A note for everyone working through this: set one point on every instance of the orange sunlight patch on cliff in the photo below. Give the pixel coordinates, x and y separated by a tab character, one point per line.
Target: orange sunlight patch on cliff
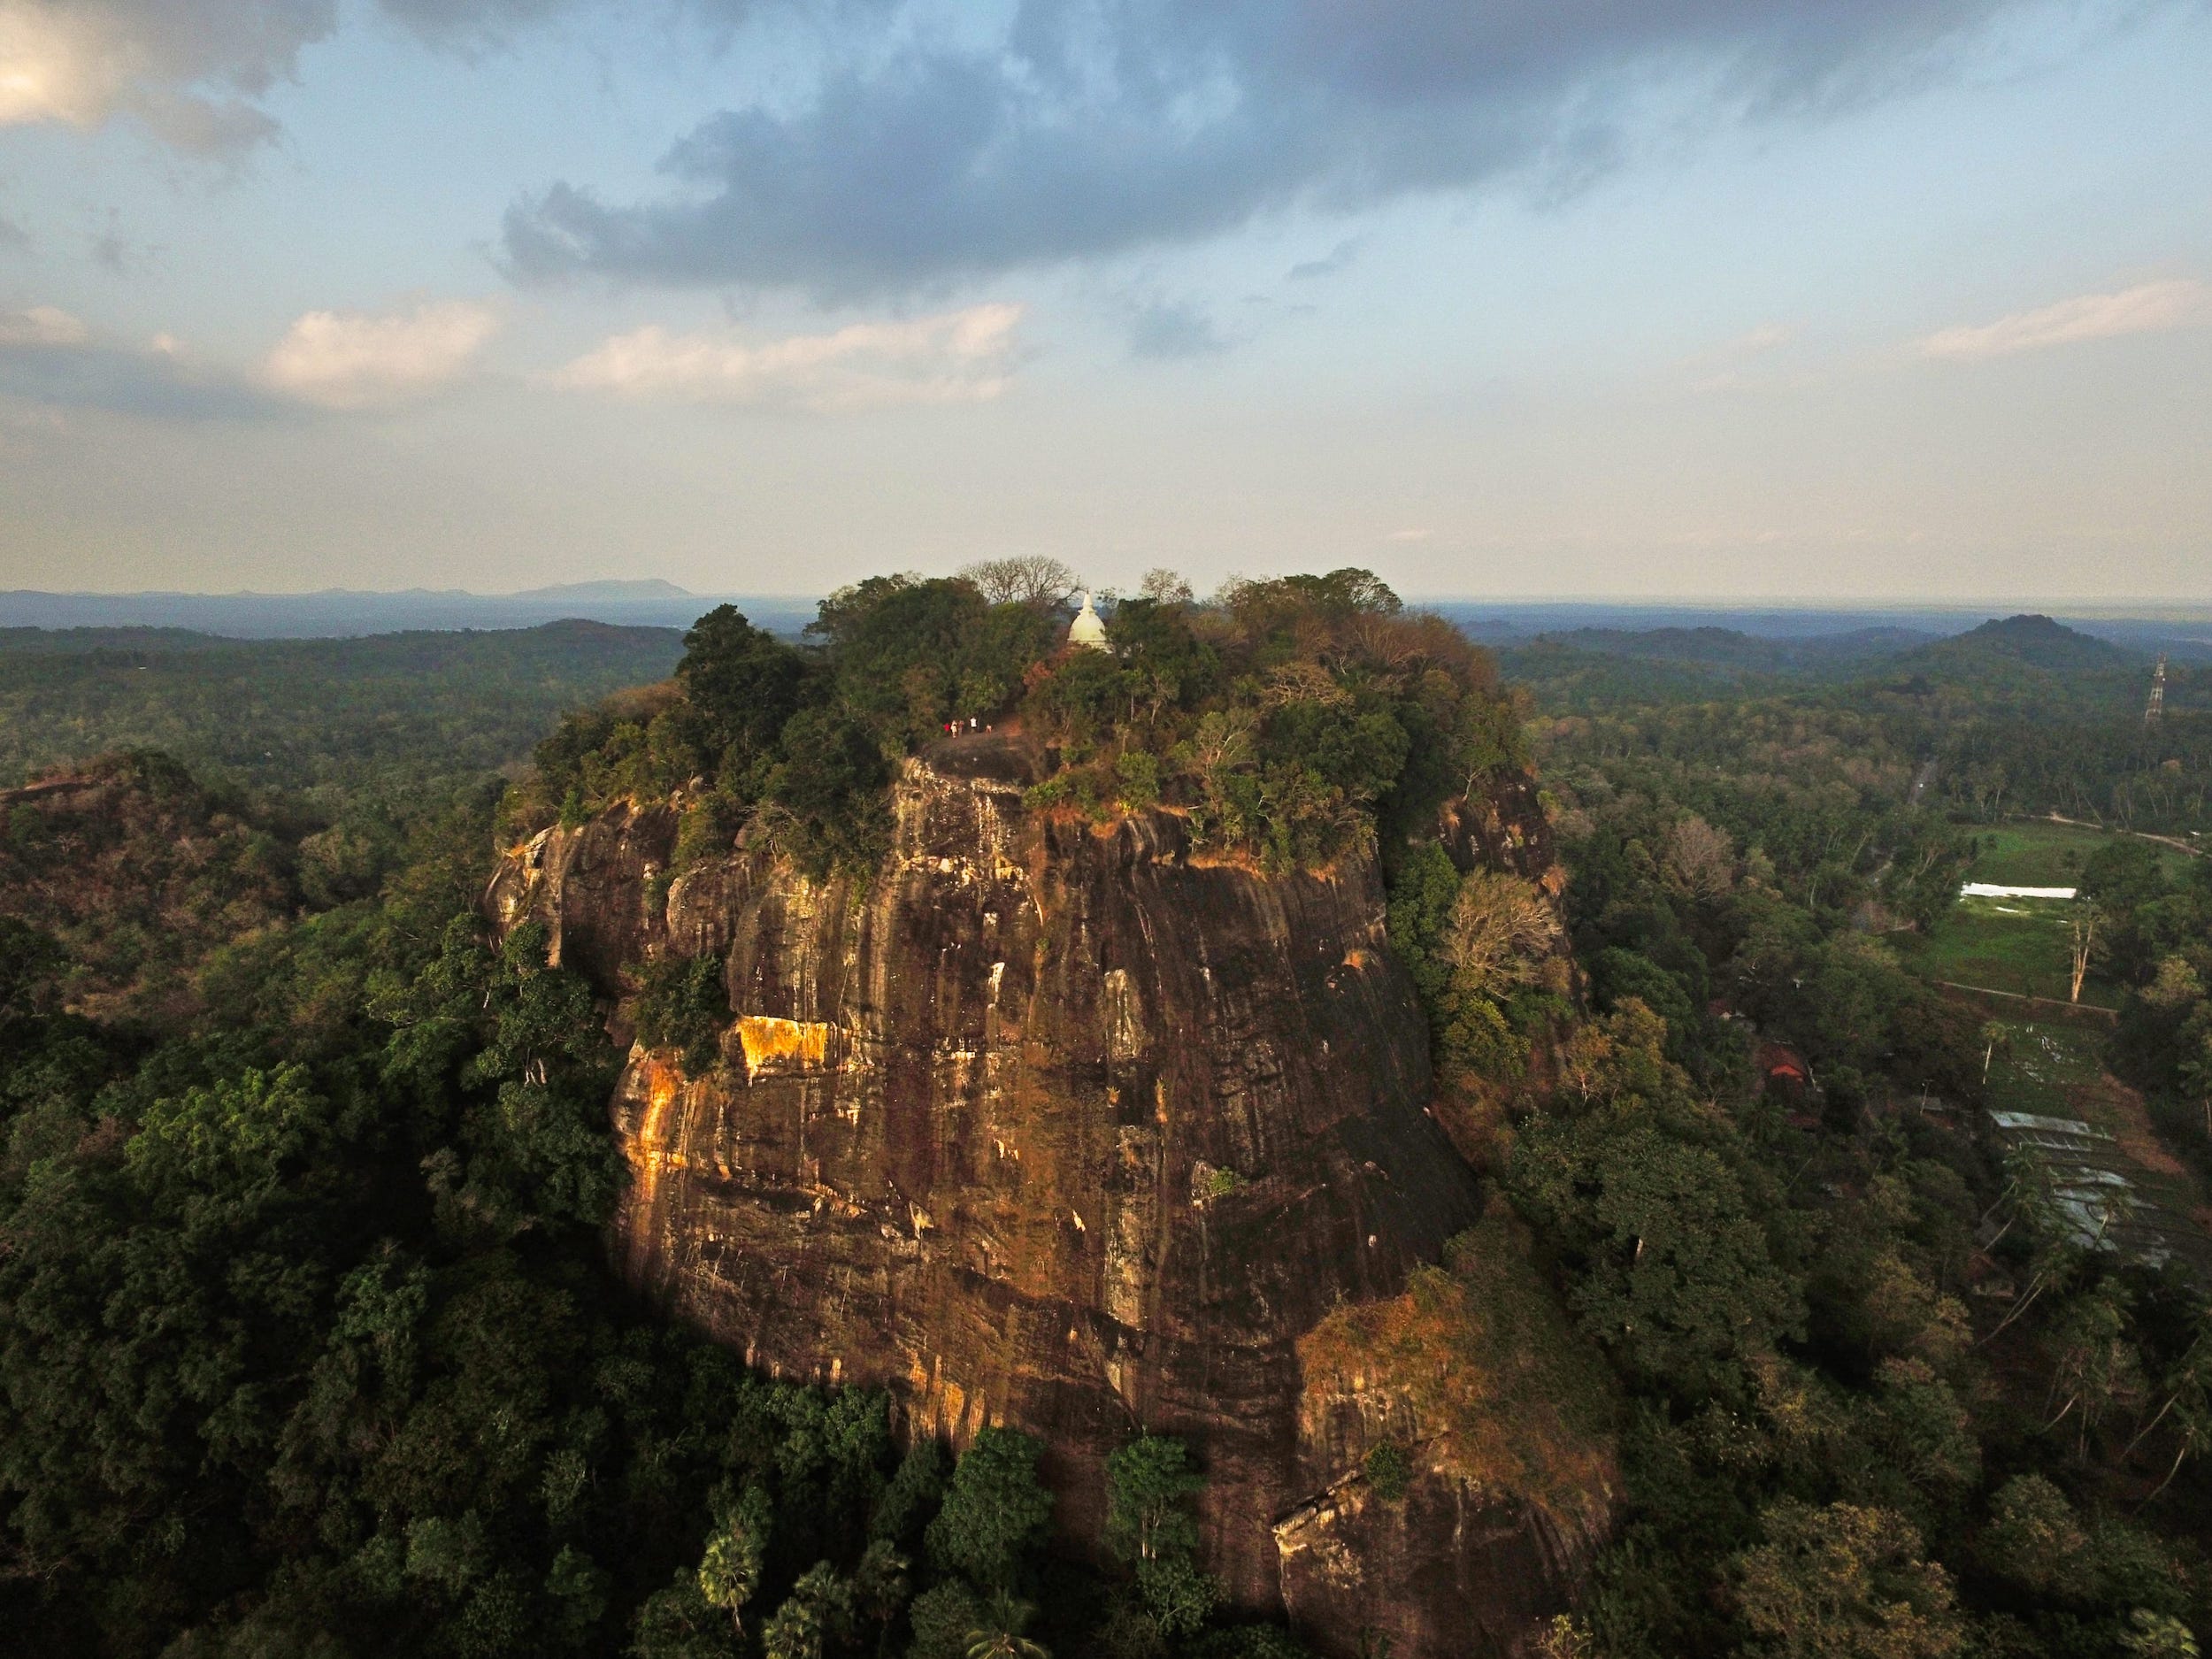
1507	1395
648	1151
770	1041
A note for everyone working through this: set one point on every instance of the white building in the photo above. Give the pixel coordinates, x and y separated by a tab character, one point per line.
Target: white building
1088	630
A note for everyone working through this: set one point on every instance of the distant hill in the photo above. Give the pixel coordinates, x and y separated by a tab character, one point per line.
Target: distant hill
651	588
2037	642
1583	670
2027	667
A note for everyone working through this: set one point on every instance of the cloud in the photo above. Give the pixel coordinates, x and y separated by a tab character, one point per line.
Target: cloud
1168	329
49	356
1092	127
363	359
116	252
189	71
1336	259
1722	368
194	72
471	23
329	360
959	357
41	326
1420	534
1757	342
2147	308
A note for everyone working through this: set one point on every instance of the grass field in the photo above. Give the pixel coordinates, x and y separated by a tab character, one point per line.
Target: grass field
2005	945
2020	944
2047	854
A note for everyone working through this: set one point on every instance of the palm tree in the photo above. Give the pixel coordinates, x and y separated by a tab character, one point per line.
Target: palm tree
1000	1635
730	1571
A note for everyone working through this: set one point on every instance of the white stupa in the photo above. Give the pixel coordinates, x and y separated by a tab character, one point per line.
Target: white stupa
1088	630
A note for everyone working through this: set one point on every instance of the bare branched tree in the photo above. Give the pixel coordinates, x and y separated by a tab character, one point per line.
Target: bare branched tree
1502	929
1304	682
1165	586
1701	861
2082	944
1034	579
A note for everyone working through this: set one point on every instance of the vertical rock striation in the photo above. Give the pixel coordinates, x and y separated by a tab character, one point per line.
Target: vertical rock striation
1047	1125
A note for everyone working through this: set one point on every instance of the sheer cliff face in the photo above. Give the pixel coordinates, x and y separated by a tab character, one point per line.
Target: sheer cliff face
1053	1126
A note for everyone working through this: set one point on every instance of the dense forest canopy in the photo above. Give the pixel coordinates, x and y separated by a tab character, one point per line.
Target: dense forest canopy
308	1345
2022	715
1883	1397
340	718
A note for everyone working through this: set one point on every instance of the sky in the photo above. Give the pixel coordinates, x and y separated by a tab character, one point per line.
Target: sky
1772	300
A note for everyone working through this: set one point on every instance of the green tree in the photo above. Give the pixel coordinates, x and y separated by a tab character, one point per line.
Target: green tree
680	1622
1677	1276
730	1569
1179	1596
829	787
941	1618
682	1004
819	1609
1842	1582
2158	1636
997	1634
746	682
994	1510
2033	1539
1149	1489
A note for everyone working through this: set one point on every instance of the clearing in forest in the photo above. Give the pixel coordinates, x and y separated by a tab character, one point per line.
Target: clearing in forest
2048	1088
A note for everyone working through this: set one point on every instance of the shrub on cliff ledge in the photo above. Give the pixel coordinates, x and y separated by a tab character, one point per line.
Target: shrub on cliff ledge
1505	1394
1389	1470
681	1005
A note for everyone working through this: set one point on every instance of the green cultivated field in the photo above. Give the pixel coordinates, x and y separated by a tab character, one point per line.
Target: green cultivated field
2041	1068
2005	945
2046	855
2020	944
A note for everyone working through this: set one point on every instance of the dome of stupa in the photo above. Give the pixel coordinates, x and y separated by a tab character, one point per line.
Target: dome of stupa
1087	629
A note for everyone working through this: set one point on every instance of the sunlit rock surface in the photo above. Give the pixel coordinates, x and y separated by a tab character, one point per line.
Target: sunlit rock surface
1056	1126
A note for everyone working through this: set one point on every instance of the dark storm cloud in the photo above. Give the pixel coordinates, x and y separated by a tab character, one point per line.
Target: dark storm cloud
1099	126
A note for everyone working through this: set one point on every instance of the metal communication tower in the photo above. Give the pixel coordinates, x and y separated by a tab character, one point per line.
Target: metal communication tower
2157	708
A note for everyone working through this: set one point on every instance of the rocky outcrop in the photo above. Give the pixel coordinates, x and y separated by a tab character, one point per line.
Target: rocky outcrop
1060	1127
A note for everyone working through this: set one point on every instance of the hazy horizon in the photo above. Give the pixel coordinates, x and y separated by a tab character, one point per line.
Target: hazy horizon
2147	607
